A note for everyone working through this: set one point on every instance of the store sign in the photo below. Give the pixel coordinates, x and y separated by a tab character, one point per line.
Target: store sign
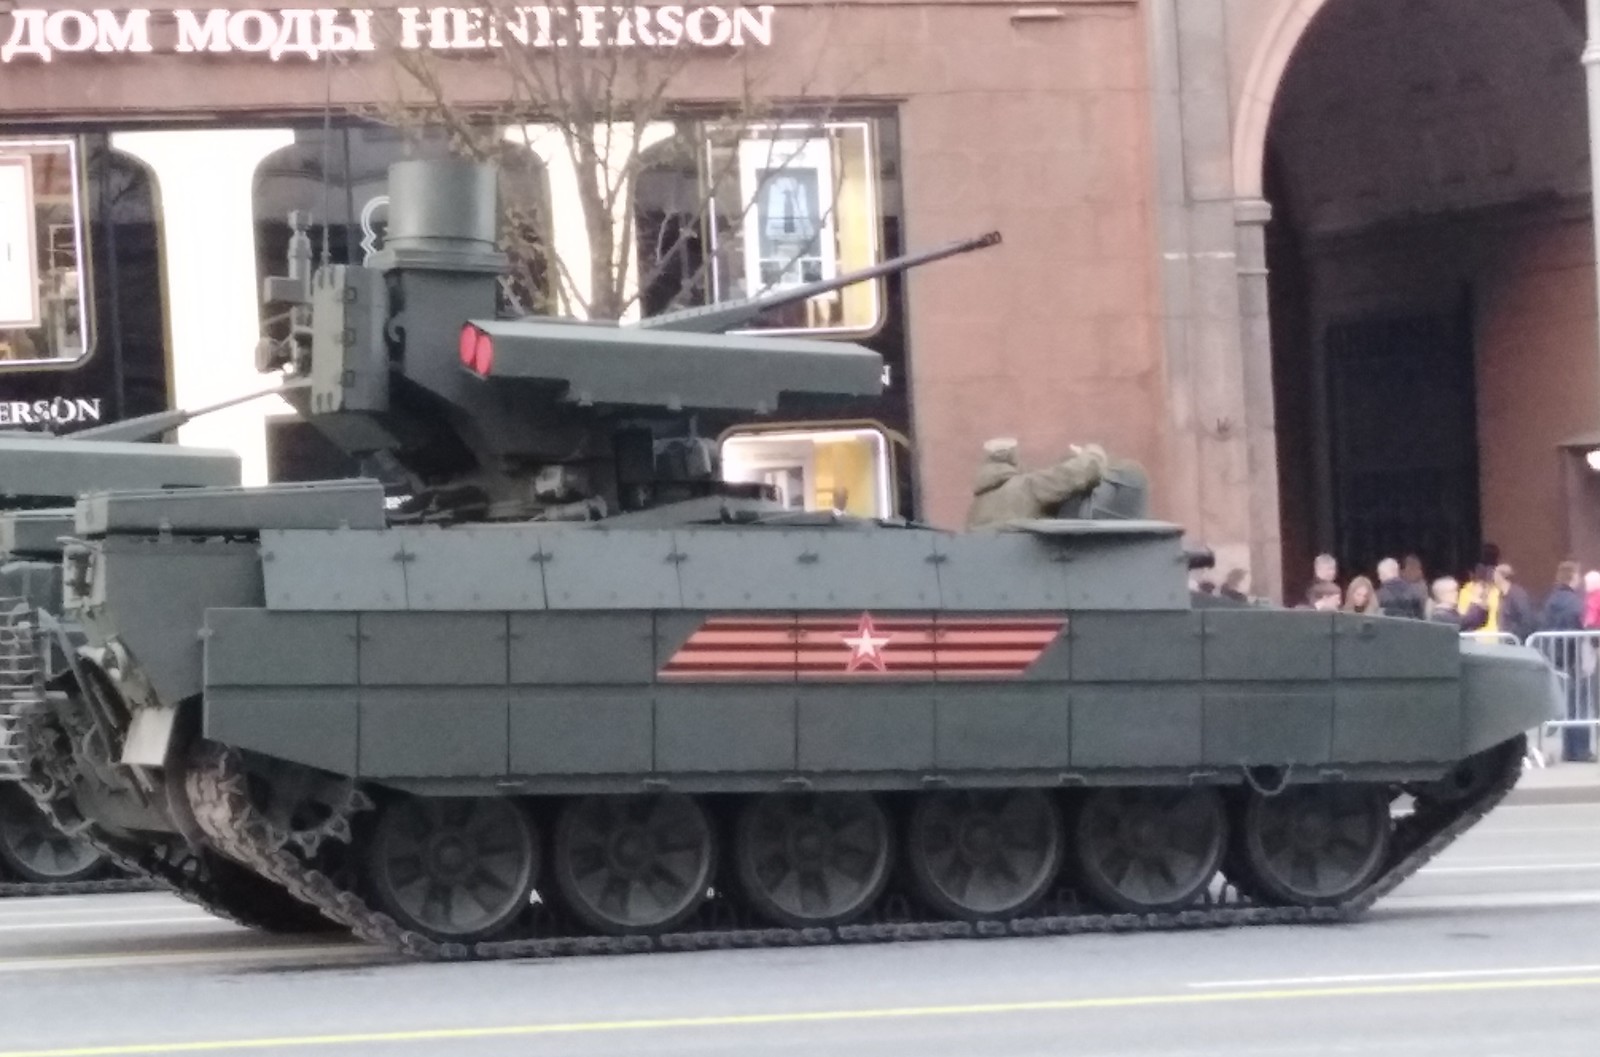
62	411
19	257
41	35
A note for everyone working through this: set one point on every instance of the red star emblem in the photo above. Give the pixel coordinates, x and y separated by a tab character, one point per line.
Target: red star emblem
866	646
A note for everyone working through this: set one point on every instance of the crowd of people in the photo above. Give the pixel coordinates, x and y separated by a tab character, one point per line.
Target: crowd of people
1488	601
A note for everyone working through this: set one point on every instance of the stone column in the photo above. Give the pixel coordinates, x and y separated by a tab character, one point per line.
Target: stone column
1224	469
1261	434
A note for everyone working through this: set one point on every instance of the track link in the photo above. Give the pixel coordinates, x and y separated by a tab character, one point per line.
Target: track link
217	791
206	880
193	878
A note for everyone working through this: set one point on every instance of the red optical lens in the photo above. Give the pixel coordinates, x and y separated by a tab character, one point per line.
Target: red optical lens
469	344
483	354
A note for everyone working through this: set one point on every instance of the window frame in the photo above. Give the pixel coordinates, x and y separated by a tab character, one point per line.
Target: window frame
873	164
82	248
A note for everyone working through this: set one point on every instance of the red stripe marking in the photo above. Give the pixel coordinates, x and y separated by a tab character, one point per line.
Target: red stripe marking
735	674
1021	658
1036	639
743	622
1001	620
979	673
734	657
839	674
701	639
813	647
896	661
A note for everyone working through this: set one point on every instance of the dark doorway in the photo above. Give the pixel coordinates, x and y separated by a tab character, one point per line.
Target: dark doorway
1403	439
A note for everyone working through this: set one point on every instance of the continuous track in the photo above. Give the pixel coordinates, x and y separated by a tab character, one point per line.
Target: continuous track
220	887
217	791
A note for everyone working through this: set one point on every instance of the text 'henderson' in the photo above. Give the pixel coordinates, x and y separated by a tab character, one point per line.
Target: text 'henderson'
309	33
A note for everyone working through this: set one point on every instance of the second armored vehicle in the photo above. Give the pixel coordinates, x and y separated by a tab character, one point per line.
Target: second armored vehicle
41	476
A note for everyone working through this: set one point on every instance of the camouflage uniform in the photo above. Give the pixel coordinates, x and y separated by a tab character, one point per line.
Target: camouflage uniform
1004	493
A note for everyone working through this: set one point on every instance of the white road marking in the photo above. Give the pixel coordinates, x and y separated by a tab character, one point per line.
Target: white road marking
1513	868
71	913
122	923
1576	859
1402	903
1517	831
309	955
1362	978
127	901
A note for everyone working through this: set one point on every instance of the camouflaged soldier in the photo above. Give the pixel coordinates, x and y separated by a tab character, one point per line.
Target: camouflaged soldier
1003	492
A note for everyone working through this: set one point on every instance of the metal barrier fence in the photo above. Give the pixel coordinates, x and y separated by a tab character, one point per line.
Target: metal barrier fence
1575	655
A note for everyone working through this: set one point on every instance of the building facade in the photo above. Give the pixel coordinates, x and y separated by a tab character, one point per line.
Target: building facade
1325	266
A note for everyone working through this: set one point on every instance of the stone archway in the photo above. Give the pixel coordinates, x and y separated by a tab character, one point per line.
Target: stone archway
1439	202
1285	27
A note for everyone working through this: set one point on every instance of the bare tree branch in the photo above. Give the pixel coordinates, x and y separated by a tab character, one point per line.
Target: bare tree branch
609	91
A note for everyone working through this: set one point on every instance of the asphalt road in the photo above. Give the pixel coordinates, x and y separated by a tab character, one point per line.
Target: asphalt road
1492	950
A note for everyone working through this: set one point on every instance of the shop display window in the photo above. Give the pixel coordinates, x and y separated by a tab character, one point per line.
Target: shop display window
847	470
798	203
43	311
721	211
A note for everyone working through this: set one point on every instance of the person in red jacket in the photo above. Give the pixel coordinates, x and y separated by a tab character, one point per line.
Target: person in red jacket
1578	742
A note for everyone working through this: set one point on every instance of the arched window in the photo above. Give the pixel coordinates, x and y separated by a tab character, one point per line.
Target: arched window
670	204
338	180
524	231
127	312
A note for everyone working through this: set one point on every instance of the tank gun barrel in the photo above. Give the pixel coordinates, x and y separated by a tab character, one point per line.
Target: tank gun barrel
720	318
153	425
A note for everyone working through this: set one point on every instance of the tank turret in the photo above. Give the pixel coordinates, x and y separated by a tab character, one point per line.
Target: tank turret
516	418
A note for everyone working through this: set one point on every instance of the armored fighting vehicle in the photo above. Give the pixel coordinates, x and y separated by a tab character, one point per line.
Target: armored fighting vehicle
41	476
47	847
549	686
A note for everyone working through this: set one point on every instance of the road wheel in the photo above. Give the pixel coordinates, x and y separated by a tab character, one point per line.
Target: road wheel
1149	850
32	849
809	860
633	865
1310	845
457	869
984	853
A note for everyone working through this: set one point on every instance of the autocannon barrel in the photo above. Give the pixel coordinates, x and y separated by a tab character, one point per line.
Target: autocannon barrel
719	318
